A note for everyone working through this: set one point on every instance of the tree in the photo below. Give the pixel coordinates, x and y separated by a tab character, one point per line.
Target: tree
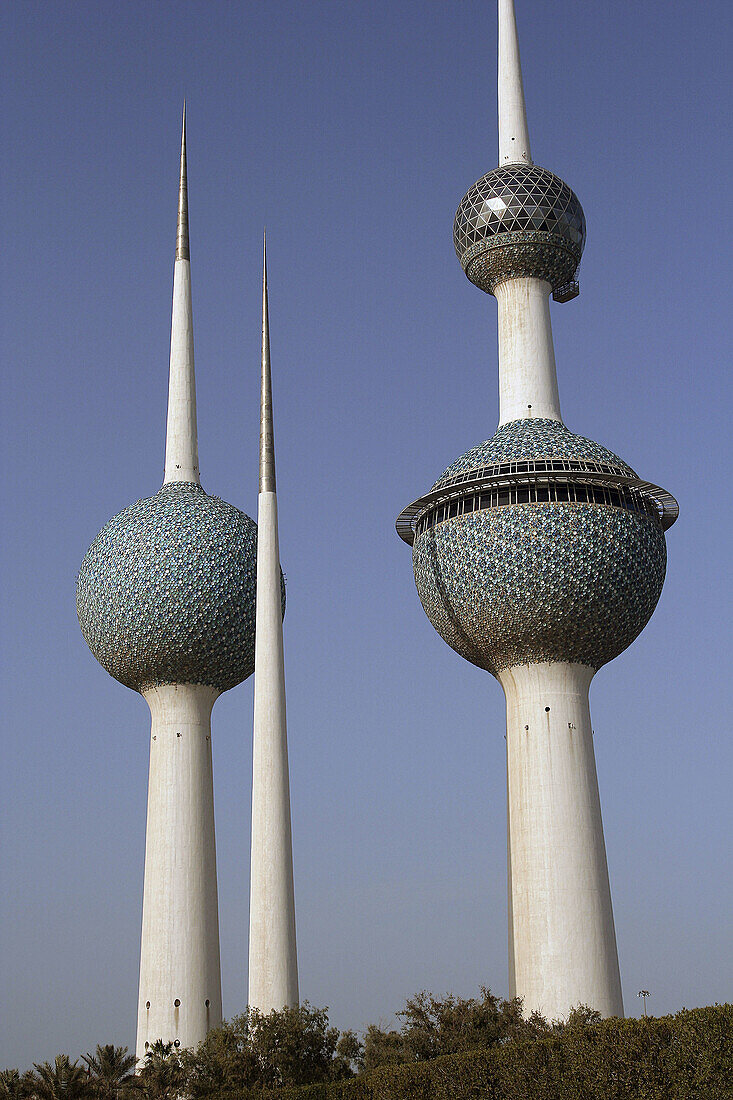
64	1080
295	1046
13	1086
111	1071
433	1027
162	1076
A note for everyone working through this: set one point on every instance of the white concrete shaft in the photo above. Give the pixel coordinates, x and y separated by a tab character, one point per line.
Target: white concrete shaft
179	955
513	132
563	937
273	964
181	443
527	372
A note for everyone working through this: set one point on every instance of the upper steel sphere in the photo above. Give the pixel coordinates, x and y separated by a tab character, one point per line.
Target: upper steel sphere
166	592
531	582
519	220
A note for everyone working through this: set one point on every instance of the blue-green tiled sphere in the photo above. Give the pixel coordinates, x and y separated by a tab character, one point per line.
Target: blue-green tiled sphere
166	592
539	581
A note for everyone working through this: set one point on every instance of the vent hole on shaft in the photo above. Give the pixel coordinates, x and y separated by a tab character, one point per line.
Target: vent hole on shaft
207	1002
147	1004
177	1003
547	710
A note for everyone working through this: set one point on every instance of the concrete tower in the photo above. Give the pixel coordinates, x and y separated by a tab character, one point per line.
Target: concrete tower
540	555
166	602
273	962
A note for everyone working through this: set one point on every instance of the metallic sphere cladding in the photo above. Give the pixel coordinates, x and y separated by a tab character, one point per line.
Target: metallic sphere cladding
519	221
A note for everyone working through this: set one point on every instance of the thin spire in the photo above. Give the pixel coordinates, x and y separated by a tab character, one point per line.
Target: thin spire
273	956
513	132
182	248
267	435
181	444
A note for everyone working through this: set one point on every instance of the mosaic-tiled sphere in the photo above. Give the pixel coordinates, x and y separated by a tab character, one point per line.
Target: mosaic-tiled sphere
166	592
540	581
519	220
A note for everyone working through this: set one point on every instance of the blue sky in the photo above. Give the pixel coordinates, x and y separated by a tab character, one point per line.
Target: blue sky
352	130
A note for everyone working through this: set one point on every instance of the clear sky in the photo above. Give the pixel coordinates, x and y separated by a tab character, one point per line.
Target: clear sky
351	129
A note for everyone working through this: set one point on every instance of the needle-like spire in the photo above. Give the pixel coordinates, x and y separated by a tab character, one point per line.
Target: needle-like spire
267	437
182	249
181	446
513	132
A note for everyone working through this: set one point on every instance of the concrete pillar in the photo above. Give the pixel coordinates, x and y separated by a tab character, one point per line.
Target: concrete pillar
513	132
181	444
562	934
273	967
527	372
180	972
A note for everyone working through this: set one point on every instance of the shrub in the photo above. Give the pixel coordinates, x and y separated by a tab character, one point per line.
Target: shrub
684	1057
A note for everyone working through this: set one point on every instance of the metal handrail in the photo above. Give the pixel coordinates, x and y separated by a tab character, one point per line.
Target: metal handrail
664	503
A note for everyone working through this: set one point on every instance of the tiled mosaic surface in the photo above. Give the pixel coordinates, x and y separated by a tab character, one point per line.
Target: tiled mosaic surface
540	582
166	592
519	220
539	438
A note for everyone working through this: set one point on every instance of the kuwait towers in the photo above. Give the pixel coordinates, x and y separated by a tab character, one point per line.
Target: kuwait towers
539	556
166	601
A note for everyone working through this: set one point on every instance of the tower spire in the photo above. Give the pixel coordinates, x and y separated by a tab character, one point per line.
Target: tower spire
181	448
267	436
273	963
182	250
513	132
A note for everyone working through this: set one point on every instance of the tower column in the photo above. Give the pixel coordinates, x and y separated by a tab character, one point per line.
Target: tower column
180	975
562	931
273	961
273	964
527	371
181	443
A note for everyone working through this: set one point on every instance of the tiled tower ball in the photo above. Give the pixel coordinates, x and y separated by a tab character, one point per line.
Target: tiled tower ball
166	592
542	580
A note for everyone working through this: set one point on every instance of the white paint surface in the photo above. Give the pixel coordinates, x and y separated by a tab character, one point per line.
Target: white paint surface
181	443
562	931
179	955
513	132
527	372
273	966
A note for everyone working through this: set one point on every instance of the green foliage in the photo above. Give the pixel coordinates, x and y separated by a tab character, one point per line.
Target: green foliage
433	1028
110	1071
254	1051
684	1057
452	1049
64	1080
12	1085
163	1076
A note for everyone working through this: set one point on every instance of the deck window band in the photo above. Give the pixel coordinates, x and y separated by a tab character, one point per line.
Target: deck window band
545	492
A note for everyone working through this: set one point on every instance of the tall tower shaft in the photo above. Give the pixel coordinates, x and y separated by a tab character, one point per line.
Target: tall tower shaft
165	598
273	962
539	555
180	999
